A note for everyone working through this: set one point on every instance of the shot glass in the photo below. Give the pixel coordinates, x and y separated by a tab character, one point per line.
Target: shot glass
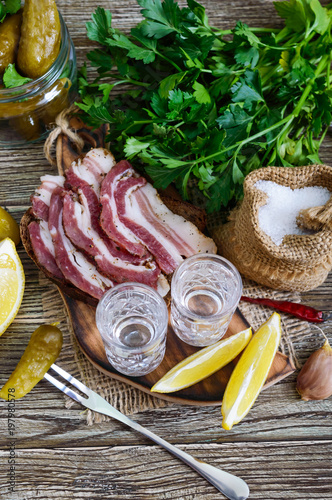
206	290
132	319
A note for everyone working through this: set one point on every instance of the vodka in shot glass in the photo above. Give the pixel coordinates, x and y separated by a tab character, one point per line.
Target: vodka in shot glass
206	290
132	319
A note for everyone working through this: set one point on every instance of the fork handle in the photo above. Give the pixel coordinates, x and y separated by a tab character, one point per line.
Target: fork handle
231	486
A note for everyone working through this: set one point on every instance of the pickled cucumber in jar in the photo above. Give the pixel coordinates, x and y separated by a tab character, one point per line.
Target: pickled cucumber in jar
10	31
27	126
40	38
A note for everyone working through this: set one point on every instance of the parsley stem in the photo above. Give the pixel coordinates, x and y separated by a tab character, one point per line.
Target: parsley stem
283	34
308	88
323	136
169	60
245	141
254	30
132	82
268	151
138	122
328	70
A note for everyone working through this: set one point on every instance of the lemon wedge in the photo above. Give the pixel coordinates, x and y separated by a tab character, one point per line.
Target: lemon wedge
251	372
11	283
8	227
203	363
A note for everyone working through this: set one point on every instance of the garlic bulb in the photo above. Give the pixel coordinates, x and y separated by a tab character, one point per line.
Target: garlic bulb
315	378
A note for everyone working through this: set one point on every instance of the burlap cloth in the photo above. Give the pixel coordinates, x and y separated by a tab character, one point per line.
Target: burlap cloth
128	399
301	262
121	395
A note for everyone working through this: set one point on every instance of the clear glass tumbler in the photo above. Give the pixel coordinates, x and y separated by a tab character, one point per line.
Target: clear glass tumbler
206	290
132	319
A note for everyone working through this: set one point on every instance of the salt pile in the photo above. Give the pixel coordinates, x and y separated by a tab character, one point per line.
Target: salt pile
278	216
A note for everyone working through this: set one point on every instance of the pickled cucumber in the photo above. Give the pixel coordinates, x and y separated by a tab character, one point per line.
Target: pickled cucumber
40	38
10	31
43	349
27	126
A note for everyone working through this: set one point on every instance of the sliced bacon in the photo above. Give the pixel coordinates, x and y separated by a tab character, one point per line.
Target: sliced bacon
168	227
109	219
76	181
140	210
42	197
43	248
105	213
40	237
83	232
90	170
74	266
138	220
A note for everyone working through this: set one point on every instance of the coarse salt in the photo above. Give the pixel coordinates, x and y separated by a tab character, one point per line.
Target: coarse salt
278	216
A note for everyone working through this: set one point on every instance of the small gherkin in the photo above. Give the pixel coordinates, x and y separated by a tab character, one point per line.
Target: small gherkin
40	37
9	38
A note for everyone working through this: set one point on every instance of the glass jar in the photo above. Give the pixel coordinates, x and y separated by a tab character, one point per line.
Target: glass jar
27	112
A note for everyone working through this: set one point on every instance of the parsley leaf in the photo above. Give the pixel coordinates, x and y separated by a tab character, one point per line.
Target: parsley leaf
134	146
134	51
100	27
161	17
295	12
201	94
11	78
8	7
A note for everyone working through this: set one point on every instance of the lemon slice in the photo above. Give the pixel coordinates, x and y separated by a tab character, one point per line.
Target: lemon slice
8	227
11	283
203	363
251	372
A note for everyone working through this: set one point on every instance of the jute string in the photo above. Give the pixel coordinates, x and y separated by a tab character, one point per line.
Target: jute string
316	218
62	127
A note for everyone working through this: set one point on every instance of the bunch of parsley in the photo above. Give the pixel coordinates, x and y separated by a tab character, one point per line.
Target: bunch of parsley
187	101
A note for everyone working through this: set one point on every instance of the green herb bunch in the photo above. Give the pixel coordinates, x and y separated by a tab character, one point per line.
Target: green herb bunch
186	101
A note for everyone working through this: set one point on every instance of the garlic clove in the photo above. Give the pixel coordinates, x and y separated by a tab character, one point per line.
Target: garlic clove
315	379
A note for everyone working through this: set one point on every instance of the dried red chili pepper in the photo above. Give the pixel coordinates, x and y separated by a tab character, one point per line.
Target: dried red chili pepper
300	311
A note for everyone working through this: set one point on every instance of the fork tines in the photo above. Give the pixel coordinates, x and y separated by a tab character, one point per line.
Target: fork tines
72	380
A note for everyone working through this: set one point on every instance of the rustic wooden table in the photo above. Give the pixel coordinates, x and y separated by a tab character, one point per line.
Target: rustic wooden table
282	448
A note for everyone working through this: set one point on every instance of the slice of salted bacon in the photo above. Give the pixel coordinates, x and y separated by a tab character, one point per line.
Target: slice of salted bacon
75	267
110	220
41	198
40	237
134	215
82	230
77	180
43	247
90	170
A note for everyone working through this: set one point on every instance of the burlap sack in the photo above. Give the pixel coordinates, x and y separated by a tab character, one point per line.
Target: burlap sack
301	262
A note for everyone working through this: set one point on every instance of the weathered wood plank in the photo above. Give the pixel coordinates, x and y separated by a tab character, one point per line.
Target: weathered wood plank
277	415
274	448
297	471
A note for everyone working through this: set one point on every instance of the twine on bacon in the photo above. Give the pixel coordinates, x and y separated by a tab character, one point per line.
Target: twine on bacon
62	127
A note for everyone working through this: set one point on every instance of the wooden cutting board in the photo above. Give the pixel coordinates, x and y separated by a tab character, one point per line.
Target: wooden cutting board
82	316
207	392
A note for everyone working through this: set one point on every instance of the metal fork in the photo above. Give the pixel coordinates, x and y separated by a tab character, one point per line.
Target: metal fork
231	486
